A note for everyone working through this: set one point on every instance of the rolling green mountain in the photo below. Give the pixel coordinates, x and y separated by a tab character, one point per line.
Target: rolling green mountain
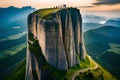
103	44
13	35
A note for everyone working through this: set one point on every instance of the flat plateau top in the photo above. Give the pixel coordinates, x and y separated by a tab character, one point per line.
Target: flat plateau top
45	13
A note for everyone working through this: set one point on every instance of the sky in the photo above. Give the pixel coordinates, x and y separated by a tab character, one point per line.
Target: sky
95	7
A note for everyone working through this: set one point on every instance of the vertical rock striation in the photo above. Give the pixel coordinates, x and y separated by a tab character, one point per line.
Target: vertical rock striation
60	38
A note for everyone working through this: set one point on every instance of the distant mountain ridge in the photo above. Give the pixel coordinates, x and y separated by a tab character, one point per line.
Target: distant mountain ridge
115	23
92	19
6	14
13	17
90	25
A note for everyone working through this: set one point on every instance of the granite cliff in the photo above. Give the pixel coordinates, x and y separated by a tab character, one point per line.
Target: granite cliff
54	37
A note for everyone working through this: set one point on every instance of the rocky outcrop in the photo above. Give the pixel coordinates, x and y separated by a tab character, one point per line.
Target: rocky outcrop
59	36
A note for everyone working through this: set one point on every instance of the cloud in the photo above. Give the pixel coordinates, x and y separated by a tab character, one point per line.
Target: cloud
107	2
84	6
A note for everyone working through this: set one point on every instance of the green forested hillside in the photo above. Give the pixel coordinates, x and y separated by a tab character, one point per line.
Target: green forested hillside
103	44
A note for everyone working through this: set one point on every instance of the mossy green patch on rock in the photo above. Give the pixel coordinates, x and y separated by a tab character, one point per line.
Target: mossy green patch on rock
44	13
36	50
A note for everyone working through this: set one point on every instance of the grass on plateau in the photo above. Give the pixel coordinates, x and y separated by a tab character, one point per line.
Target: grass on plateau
44	13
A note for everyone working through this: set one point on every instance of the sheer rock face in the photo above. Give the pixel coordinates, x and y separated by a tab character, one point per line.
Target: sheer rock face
60	37
32	65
